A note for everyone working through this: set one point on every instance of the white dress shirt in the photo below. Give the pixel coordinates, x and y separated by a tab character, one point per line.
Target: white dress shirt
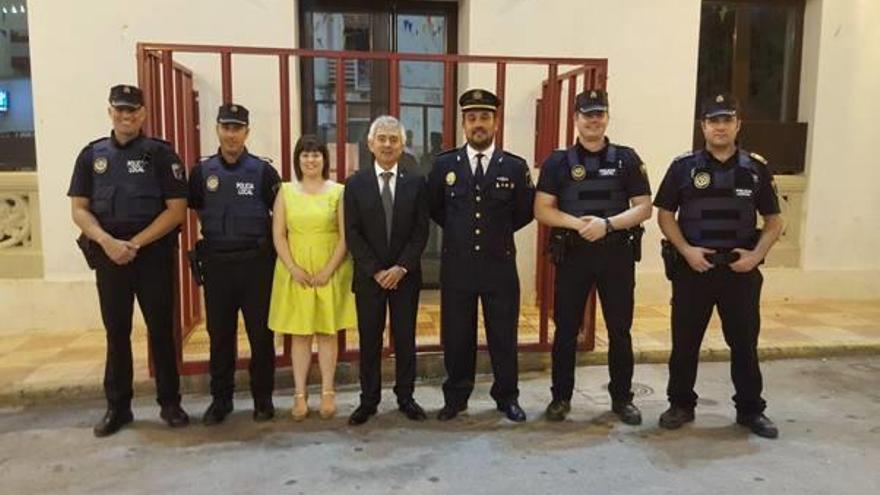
392	182
487	157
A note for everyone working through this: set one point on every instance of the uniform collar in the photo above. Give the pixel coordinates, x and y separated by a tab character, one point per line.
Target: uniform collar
487	153
117	144
234	164
585	153
710	158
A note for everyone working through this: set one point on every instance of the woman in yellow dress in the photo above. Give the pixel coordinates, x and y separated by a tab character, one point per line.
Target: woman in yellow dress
311	289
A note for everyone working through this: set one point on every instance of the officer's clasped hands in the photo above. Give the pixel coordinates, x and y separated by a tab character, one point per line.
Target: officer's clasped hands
593	228
119	251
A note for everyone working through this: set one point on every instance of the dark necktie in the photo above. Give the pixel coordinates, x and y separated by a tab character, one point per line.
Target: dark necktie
478	175
387	202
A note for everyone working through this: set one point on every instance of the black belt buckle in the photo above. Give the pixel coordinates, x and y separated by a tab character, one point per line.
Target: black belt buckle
723	258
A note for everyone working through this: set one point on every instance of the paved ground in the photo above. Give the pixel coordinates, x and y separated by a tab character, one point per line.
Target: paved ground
828	411
43	366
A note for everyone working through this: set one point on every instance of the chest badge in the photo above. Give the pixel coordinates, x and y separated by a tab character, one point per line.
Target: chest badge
212	183
578	172
702	180
99	165
450	179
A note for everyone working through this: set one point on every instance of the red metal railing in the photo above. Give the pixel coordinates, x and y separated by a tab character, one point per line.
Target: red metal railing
169	118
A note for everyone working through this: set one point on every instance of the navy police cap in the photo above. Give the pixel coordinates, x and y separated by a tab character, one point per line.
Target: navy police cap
478	99
594	100
125	96
232	113
720	104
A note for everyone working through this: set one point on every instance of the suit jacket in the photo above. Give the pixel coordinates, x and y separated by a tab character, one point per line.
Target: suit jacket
365	227
478	225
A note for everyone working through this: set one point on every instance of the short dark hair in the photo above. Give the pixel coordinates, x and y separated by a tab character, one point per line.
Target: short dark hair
310	142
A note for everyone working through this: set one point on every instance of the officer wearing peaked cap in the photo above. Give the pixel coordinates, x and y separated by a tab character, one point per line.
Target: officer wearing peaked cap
128	196
233	192
712	252
480	195
594	195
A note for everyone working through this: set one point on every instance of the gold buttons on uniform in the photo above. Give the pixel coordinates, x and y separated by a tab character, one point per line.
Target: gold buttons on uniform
477	247
478	214
478	199
477	232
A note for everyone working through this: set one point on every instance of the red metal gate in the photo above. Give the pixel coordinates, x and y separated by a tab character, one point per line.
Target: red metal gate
549	123
173	115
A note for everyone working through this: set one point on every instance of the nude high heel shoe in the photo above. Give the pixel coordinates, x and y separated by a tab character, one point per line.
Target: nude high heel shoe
300	407
328	404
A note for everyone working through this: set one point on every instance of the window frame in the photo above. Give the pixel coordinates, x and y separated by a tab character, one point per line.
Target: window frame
740	67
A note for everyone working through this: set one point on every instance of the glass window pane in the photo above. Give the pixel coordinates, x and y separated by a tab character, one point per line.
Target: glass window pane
421	83
715	65
352	32
770	41
17	151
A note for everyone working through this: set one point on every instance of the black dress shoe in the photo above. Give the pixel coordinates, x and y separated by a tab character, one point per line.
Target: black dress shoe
112	422
557	410
513	411
264	410
174	416
675	417
627	412
361	415
759	424
412	410
449	412
216	412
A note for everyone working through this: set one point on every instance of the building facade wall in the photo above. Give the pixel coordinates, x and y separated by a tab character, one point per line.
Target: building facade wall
78	49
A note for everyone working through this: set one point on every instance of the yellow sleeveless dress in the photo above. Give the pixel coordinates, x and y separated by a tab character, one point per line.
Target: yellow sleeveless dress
312	233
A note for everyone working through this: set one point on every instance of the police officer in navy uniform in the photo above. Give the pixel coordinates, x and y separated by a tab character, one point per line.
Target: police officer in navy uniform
233	192
480	195
594	195
713	250
128	196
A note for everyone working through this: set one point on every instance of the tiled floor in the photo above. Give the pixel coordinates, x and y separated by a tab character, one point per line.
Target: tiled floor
56	361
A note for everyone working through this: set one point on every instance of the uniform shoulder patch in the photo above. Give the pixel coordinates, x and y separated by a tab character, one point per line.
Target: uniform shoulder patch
758	157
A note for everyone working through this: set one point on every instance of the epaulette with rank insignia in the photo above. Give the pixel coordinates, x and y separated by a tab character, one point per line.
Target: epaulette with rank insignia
686	154
513	155
758	157
158	140
447	152
447	155
266	159
96	141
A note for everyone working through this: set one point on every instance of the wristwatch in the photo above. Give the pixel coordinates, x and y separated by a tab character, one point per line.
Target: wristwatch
608	227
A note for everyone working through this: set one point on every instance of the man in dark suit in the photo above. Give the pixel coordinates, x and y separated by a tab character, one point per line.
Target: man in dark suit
386	229
480	195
